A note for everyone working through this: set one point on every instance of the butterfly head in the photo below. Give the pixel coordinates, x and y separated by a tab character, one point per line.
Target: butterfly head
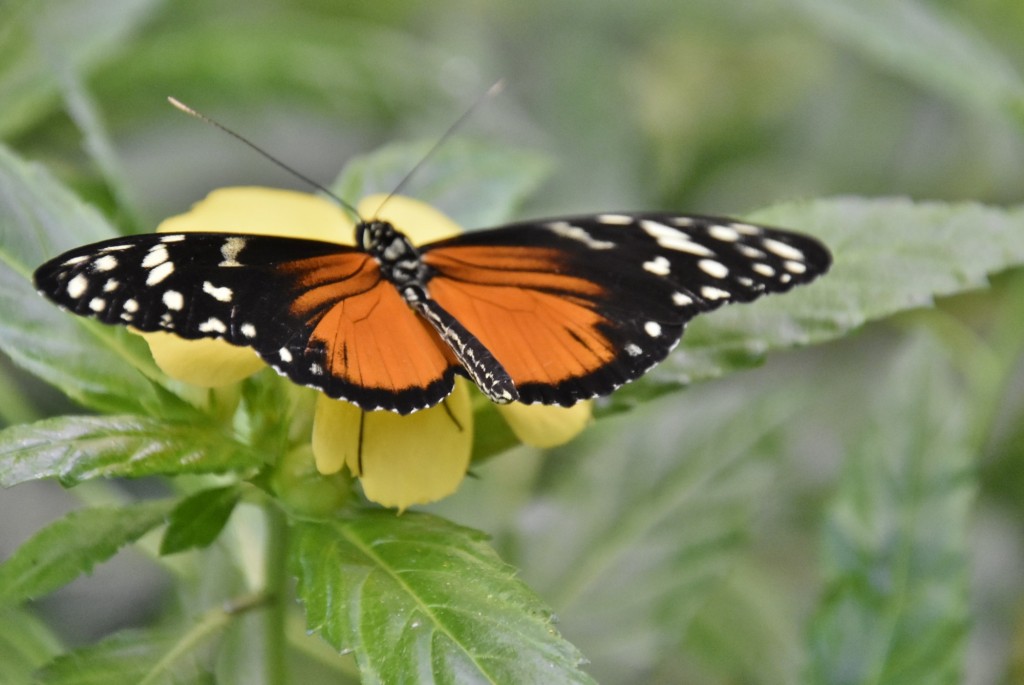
399	260
370	235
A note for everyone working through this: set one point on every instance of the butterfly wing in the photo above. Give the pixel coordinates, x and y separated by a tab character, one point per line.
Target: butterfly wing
573	308
302	305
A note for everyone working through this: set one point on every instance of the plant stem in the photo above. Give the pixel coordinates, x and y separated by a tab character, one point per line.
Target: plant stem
212	623
275	642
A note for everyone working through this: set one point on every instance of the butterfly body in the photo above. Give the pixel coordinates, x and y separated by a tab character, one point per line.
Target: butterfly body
398	259
550	311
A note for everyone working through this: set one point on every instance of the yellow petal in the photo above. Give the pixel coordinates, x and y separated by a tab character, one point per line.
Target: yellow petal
265	211
546	426
335	433
206	363
418	220
402	460
268	211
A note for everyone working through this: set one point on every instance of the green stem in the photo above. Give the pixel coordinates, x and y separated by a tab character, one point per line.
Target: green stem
276	615
209	625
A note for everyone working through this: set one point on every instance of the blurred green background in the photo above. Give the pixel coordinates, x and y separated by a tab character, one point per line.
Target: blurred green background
718	106
711	106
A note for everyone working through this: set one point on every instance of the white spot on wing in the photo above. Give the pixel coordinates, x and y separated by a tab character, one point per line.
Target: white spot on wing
177	238
723	233
316	369
567	230
173	300
615	219
746	229
633	350
77	286
652	328
75	260
660	266
248	330
131	306
105	263
712	293
159	273
285	355
751	252
673	239
713	268
681	299
794	267
97	304
763	269
219	293
212	325
157	255
230	250
111	285
782	249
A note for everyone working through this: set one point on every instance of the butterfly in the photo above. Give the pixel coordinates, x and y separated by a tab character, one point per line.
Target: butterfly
551	311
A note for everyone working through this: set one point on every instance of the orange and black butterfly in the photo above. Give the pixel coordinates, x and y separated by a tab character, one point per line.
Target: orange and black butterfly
552	311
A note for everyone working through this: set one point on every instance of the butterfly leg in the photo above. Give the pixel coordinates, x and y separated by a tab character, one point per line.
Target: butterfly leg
451	414
359	455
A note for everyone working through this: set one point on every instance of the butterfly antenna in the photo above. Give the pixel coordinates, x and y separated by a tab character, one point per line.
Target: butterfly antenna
239	137
498	86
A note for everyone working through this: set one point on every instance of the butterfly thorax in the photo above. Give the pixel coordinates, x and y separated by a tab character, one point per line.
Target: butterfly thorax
399	260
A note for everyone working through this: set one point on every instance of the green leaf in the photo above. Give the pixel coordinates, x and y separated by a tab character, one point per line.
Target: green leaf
419	599
85	112
635	524
476	183
198	519
83	33
945	54
71	546
93	364
891	255
895	607
78	448
141	657
748	631
152	656
25	644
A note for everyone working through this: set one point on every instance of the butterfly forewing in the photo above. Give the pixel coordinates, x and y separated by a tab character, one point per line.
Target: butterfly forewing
575	307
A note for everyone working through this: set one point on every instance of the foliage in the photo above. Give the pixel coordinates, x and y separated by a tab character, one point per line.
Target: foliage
816	519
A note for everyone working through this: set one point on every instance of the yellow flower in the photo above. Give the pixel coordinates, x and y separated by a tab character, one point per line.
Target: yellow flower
400	460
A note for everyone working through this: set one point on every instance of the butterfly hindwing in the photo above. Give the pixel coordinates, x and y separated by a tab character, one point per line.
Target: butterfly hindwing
318	312
575	307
